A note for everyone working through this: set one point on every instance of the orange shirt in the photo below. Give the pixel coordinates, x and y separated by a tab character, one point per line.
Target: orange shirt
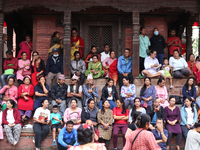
118	112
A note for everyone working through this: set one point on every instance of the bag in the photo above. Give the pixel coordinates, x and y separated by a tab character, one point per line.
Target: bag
178	99
26	73
9	71
136	136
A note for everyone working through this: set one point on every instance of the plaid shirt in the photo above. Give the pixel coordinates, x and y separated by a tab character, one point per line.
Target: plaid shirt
144	141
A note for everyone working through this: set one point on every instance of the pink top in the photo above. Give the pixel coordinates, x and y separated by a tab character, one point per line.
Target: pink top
73	115
94	146
108	61
10	93
163	95
25	48
20	65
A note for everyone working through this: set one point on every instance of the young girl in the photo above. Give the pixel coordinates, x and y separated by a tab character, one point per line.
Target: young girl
1	129
166	68
26	46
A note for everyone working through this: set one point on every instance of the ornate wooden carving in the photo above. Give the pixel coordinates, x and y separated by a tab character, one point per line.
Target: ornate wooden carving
135	47
67	44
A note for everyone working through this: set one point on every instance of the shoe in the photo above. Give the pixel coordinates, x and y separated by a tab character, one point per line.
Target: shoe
115	148
33	139
54	143
140	76
15	142
171	87
37	148
107	76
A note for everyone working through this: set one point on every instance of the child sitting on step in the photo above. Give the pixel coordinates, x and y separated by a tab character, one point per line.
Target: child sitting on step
166	67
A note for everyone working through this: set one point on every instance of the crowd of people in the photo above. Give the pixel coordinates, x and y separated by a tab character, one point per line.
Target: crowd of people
82	122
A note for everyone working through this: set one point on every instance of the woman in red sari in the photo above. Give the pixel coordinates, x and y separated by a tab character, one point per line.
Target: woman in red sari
25	101
88	59
110	67
77	43
196	72
37	67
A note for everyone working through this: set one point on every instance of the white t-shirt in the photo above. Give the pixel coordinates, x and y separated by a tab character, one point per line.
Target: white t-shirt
148	62
104	56
177	64
142	110
80	88
192	141
10	118
197	88
109	93
190	115
42	114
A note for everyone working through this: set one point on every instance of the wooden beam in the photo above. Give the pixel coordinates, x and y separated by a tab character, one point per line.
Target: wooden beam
67	44
135	43
189	39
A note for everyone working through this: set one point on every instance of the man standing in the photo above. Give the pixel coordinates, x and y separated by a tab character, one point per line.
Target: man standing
124	67
158	44
59	94
105	53
54	67
155	111
10	66
173	42
78	67
160	134
67	136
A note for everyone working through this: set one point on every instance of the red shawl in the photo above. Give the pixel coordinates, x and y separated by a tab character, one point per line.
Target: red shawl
81	43
113	68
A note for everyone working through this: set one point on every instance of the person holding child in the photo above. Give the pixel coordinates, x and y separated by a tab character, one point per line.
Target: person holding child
56	123
167	68
10	92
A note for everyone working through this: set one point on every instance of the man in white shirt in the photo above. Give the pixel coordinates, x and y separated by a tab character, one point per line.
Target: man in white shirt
105	53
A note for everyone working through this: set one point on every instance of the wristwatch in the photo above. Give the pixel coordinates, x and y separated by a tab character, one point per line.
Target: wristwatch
161	133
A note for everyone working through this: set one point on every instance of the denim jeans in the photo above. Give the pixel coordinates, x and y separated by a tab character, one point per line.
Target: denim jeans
185	130
3	77
112	104
160	58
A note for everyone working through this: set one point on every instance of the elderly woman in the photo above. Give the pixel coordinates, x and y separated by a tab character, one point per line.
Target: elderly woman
25	101
37	67
147	93
152	66
110	65
161	92
128	92
10	92
90	112
41	92
23	68
89	58
73	113
12	122
90	90
191	62
95	68
180	66
105	120
74	91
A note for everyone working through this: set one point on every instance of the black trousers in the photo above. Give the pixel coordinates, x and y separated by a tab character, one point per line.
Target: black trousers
141	64
101	140
120	78
81	80
40	130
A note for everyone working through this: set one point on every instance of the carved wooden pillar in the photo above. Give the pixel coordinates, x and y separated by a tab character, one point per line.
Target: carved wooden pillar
199	36
135	43
189	39
10	33
67	44
119	38
1	40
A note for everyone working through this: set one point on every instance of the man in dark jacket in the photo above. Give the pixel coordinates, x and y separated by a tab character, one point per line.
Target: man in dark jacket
54	67
158	44
59	94
155	111
110	94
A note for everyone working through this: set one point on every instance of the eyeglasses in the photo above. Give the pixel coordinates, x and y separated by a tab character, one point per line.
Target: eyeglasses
73	33
73	79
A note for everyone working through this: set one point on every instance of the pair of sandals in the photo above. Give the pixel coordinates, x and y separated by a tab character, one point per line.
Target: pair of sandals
24	119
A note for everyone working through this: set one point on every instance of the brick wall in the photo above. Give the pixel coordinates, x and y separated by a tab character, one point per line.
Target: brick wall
45	27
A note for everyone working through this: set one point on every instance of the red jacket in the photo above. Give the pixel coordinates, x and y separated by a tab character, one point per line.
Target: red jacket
13	61
16	115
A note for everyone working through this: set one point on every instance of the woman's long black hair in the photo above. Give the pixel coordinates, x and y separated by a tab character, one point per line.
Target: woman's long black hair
54	34
109	81
123	105
39	84
187	86
134	108
160	80
190	99
103	109
144	86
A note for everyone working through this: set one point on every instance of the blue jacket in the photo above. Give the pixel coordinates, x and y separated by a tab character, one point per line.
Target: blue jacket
54	67
184	116
122	66
189	93
64	137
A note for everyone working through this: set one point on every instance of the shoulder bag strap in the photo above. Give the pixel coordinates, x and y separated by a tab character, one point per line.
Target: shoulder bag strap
136	136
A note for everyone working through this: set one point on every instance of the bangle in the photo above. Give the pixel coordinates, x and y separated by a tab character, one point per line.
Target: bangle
161	133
